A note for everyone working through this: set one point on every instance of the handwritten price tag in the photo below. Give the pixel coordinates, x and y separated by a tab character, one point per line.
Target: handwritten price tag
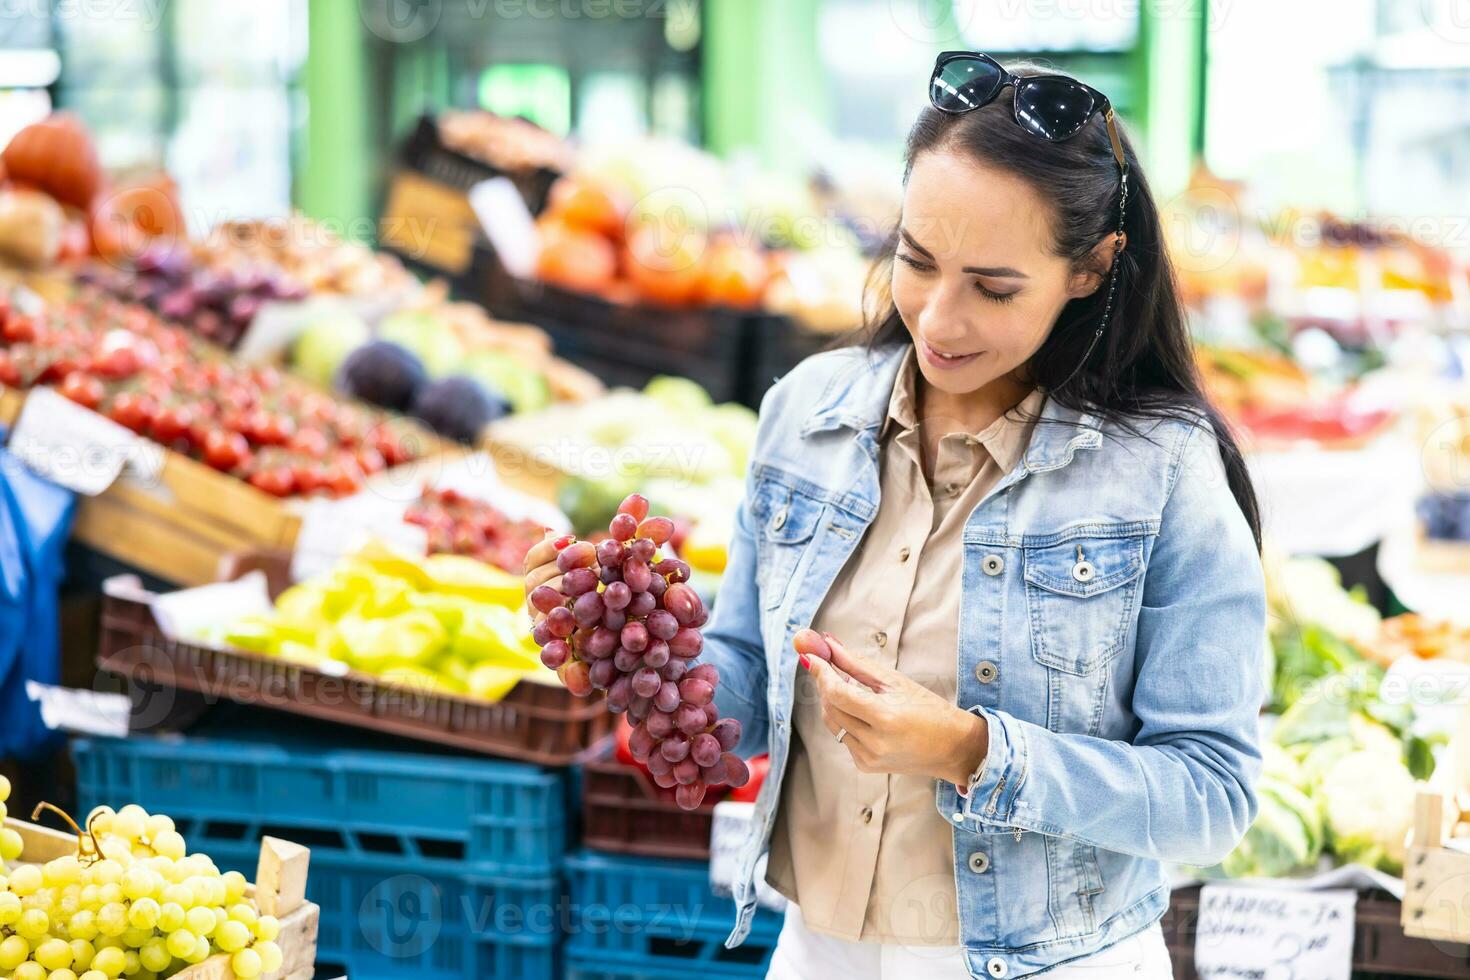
1248	932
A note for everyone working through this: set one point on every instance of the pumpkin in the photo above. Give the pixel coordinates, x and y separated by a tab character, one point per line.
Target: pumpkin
128	219
578	260
56	155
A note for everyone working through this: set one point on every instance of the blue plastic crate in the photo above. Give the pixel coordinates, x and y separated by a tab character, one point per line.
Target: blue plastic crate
645	917
439	812
392	919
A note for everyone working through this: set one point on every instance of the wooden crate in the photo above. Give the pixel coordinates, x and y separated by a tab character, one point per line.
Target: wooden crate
279	890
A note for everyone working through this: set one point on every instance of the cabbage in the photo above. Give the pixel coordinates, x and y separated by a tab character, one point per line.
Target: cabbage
1286	834
322	347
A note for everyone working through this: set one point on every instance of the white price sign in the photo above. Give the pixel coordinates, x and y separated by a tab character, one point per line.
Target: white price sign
1265	933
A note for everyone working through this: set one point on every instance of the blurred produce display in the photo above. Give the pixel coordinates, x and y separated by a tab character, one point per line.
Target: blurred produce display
254	423
506	143
308	253
461	525
445	623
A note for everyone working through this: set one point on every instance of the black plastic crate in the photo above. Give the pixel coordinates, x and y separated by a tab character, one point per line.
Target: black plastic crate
426	153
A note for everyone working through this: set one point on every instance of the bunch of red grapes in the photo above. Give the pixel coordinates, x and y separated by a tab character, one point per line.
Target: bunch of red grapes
625	621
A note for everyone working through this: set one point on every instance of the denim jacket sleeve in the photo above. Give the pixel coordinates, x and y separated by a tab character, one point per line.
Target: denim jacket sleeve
732	640
1184	789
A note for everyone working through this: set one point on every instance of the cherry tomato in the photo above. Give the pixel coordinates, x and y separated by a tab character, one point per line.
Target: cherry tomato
225	450
370	460
278	481
343	479
310	442
134	411
19	329
172	422
9	373
82	388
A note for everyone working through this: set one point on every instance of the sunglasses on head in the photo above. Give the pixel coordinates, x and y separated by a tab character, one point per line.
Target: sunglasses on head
1053	107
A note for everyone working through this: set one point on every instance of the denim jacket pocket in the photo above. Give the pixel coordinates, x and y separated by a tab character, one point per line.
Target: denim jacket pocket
1079	595
786	519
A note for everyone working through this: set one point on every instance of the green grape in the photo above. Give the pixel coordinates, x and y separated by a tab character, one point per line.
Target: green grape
201	951
144	913
134	938
61	871
33	924
242	912
25	880
155	955
112	919
106	872
200	920
181	943
61	974
246	964
159	823
69	905
53	954
83	925
110	961
100	820
110	894
220	916
232	936
169	844
130	823
10	908
89	897
202	889
139	882
10	844
29	971
234	887
13	952
270	956
171	917
4	789
81	953
178	894
4	812
267	927
93	975
131	963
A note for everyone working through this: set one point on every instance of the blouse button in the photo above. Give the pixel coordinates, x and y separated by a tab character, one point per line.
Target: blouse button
867	814
880	638
979	862
903	553
992	564
985	671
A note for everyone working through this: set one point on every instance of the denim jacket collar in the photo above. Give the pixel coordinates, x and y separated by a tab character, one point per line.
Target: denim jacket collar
858	397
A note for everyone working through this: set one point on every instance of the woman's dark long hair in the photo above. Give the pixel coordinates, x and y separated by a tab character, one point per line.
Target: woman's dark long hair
1143	367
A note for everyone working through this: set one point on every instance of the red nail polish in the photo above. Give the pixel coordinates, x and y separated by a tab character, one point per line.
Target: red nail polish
804	661
563	541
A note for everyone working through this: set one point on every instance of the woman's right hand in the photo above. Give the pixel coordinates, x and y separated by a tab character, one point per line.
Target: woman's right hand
540	567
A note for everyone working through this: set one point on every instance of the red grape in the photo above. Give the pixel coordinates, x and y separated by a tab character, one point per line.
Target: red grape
662	624
545	598
635	637
643	549
626	660
682	601
601	644
636	574
689	797
696	690
641	604
657	654
635	505
666	699
619	692
556	653
578	554
727	731
705	749
609	552
674	670
588	608
660	724
686	643
614	619
686	771
708	673
623	527
616	596
579	581
602	674
675	747
575	675
737	773
689	719
641	744
646	683
666	780
660	529
561	622
656	762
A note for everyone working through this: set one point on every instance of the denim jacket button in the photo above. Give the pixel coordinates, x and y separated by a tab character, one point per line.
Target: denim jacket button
979	862
1083	571
986	671
996	967
993	564
779	522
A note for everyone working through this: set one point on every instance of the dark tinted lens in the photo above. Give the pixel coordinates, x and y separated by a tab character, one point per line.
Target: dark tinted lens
962	84
1053	108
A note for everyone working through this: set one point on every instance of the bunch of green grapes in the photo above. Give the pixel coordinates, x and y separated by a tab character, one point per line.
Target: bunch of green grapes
130	903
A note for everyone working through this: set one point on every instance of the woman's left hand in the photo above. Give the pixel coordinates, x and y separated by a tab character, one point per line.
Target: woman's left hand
894	724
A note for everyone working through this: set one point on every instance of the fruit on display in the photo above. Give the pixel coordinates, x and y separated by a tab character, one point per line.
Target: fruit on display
31	227
304	252
461	525
1445	516
625	621
216	304
1413	635
385	374
57	156
458	408
505	142
252	422
443	624
131	901
319	350
142	214
575	258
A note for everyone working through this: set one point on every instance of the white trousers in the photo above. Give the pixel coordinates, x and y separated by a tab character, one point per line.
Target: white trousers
802	954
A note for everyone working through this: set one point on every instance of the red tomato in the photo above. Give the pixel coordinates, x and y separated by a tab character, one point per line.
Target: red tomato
82	388
310	442
225	450
173	422
278	481
370	460
19	329
9	373
343	479
134	411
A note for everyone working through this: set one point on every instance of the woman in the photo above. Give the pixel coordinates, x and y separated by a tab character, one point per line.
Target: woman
1034	549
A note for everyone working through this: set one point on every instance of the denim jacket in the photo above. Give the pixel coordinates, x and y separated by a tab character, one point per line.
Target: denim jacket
1112	633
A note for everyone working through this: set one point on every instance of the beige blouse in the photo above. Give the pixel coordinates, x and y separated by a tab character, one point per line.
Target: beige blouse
866	855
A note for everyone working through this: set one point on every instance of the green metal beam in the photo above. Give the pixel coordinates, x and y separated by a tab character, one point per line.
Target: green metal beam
334	183
1172	61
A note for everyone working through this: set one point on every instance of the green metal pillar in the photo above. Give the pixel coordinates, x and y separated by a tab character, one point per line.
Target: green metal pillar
1172	59
334	183
763	82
